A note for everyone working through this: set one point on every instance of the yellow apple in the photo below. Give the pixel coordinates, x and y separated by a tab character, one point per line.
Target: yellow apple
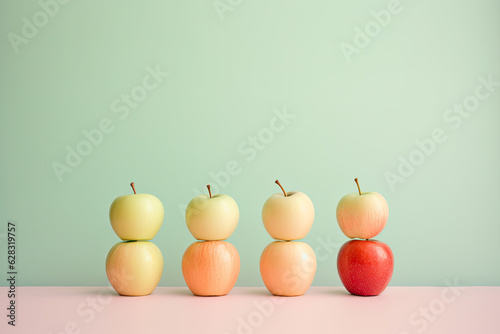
137	216
134	268
288	215
212	217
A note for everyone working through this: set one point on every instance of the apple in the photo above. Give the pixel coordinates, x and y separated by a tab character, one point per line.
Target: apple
362	215
288	216
288	267
210	268
134	268
365	266
137	216
212	217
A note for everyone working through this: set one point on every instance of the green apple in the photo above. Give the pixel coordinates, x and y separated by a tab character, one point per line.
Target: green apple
137	216
212	217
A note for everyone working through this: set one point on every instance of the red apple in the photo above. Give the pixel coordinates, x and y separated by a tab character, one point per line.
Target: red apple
365	266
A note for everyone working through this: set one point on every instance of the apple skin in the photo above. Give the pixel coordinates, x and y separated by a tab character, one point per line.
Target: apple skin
212	218
365	266
210	268
288	218
288	267
136	217
134	268
362	216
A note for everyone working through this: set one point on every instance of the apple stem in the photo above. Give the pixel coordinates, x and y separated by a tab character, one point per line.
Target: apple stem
209	192
279	184
357	183
132	185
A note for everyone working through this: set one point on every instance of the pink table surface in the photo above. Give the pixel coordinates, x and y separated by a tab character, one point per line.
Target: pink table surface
399	310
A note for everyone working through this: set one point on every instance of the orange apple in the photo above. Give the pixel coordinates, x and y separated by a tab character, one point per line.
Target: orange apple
288	267
210	268
134	268
288	216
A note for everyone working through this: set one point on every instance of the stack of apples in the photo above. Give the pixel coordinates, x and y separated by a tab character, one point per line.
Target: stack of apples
288	267
135	265
211	266
365	266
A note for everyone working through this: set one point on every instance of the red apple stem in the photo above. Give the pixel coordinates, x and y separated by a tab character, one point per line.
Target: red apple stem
357	183
279	184
132	185
209	192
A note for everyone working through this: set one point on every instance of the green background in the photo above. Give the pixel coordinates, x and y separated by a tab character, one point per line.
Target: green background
351	119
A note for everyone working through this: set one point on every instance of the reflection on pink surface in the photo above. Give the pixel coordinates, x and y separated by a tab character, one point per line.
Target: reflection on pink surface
399	310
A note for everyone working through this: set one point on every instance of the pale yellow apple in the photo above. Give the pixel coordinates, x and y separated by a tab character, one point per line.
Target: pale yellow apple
212	218
288	217
136	217
363	214
134	268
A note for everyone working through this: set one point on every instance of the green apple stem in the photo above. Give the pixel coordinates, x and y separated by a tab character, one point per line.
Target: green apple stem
209	192
132	185
357	183
279	184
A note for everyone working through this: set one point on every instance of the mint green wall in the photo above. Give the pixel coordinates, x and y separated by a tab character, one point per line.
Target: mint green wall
353	113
